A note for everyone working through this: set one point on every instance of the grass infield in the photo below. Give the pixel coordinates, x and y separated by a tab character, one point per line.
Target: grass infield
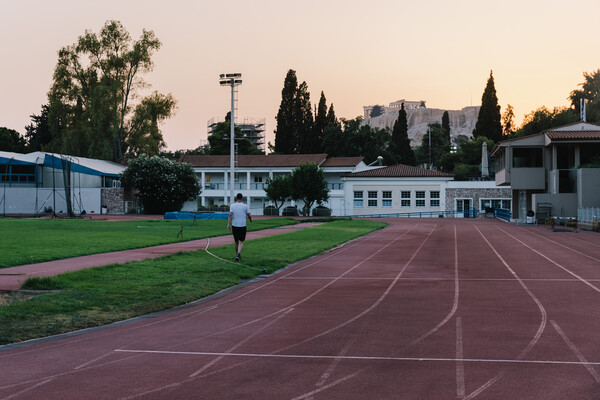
26	241
102	295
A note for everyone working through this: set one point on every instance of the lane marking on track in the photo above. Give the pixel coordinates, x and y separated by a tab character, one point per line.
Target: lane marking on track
361	358
210	364
325	278
577	353
460	365
12	396
537	335
552	261
562	245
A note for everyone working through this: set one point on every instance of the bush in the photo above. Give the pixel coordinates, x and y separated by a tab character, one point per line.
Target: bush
271	210
290	211
162	185
321	211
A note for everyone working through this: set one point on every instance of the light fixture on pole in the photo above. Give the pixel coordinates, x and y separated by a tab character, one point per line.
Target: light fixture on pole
232	80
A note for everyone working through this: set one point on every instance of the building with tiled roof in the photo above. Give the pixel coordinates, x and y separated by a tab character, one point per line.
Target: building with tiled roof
554	172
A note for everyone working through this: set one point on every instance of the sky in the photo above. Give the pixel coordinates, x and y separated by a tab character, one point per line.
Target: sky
357	52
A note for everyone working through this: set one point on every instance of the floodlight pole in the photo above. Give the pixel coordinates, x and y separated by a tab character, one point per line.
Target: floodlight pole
230	80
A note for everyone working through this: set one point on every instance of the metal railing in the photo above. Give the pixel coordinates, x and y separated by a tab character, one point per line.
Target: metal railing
502	213
470	213
588	214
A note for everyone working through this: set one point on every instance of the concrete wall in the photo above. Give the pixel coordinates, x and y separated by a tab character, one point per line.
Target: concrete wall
589	187
563	204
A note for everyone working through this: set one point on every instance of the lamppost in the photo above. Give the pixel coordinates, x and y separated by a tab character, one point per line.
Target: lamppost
232	80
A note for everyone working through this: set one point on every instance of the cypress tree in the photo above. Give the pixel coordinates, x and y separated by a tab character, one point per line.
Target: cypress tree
319	125
402	153
304	121
488	120
285	133
446	126
331	118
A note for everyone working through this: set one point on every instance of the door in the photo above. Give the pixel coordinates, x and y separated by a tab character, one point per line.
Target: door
463	208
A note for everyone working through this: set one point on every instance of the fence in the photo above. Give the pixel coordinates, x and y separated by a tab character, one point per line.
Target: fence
470	213
588	214
502	213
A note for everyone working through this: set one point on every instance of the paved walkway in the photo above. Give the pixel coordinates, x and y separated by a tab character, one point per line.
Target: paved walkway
12	278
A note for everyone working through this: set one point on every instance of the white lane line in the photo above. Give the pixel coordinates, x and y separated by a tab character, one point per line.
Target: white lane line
361	358
553	262
460	365
332	384
456	293
12	396
213	362
537	335
562	245
334	364
326	278
576	351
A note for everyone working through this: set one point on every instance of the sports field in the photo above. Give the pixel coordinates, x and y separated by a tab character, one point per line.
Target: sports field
423	309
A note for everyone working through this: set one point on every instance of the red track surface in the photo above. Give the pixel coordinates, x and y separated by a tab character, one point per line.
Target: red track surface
426	309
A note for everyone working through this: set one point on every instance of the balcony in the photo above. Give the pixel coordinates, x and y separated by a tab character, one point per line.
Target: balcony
527	178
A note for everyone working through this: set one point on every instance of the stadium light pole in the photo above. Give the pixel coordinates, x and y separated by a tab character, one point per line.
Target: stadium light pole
232	80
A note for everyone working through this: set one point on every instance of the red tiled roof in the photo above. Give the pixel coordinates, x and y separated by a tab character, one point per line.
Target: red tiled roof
573	135
399	171
342	162
278	160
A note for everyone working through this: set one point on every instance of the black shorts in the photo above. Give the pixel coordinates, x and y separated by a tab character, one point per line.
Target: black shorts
239	233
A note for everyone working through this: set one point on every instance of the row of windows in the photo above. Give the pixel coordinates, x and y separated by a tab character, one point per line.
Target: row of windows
386	198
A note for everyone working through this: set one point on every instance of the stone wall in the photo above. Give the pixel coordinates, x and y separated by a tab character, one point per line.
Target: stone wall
114	200
475	194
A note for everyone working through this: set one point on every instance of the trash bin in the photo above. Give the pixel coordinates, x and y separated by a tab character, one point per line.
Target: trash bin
531	217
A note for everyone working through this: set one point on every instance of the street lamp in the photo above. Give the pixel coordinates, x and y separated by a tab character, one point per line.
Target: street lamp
232	80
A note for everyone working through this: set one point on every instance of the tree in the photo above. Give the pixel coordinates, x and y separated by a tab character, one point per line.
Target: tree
278	190
38	132
376	111
331	118
446	126
439	145
319	126
90	112
309	185
305	139
143	133
11	140
161	185
352	138
508	124
220	143
400	148
488	121
590	91
542	119
285	133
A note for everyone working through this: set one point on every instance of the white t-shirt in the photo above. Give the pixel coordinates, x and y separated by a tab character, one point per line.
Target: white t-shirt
239	212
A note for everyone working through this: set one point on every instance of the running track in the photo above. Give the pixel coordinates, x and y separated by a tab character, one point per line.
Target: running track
424	309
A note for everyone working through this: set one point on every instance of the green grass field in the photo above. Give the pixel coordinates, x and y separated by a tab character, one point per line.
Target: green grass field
102	295
27	241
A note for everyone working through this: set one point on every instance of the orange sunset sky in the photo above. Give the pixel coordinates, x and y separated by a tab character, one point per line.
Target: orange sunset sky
357	52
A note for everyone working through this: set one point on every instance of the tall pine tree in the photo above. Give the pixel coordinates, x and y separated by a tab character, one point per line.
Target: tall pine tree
446	125
319	125
285	133
488	120
331	118
305	140
402	153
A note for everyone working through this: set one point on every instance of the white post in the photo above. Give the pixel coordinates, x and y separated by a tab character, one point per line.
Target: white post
248	180
231	145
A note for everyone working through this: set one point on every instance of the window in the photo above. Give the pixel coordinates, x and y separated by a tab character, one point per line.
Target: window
358	199
420	194
406	194
386	198
434	203
420	203
434	195
258	179
405	203
372	199
528	157
495	203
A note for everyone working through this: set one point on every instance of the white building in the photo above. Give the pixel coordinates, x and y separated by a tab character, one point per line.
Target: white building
38	182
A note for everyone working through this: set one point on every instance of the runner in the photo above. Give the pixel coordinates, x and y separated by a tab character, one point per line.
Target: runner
237	223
